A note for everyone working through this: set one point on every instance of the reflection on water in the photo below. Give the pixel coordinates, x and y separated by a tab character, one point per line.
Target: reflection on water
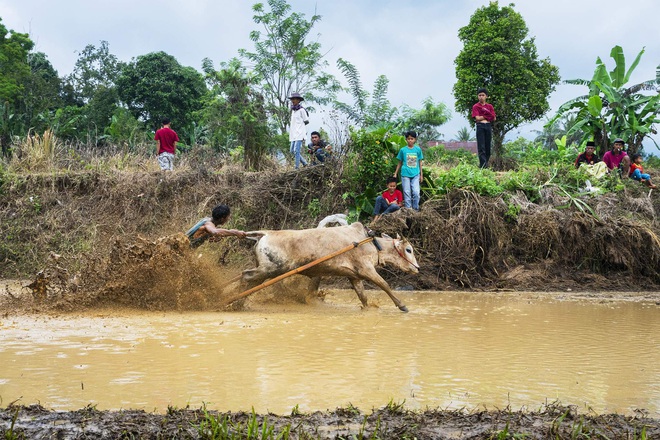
451	350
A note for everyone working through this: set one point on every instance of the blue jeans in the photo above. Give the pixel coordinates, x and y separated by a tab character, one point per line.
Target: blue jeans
638	175
484	138
382	207
410	191
296	146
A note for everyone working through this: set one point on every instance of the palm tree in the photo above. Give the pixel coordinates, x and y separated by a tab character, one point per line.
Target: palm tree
464	135
556	129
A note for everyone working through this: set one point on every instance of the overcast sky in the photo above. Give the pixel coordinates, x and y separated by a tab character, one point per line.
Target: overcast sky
413	43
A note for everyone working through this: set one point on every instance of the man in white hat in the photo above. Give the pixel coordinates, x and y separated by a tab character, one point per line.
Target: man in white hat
297	130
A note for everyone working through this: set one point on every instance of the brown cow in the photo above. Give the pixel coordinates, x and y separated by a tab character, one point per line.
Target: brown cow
278	252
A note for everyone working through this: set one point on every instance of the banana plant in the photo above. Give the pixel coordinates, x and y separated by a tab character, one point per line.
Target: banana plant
611	109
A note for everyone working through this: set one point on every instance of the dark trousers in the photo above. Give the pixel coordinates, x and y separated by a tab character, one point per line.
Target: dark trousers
484	138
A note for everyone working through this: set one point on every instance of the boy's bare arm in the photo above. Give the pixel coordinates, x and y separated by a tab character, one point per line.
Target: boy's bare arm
398	167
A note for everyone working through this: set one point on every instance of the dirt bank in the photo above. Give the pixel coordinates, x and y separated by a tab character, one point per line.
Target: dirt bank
391	422
463	240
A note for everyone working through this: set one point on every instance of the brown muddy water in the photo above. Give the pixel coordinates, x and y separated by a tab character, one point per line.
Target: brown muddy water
452	350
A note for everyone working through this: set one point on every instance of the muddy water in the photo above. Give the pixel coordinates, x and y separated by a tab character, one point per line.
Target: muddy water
452	350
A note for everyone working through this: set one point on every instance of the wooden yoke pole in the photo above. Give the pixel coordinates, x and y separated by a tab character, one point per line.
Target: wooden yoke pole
298	270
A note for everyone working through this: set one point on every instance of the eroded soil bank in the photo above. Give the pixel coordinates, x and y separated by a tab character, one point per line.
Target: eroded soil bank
391	422
462	240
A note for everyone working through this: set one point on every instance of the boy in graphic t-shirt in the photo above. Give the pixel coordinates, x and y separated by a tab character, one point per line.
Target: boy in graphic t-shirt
410	164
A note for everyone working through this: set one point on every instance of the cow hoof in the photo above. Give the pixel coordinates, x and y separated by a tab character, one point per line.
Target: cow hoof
404	309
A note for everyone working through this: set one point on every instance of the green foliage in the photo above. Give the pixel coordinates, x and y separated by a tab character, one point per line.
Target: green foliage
380	113
285	61
439	155
95	68
14	68
498	55
235	114
14	71
40	94
610	109
534	153
314	208
557	128
155	86
371	160
362	112
465	135
216	428
124	129
481	181
425	120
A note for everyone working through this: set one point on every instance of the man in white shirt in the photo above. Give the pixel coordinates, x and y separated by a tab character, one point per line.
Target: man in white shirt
297	130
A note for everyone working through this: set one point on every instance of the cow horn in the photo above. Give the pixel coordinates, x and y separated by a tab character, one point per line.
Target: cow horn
385	236
398	237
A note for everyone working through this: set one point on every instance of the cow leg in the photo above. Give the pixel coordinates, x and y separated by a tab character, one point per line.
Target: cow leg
313	289
371	275
358	286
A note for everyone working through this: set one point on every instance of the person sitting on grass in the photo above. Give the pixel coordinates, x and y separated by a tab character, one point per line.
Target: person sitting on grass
590	162
207	228
617	159
390	201
637	171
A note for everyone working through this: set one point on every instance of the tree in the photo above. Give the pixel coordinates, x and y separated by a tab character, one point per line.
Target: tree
14	70
558	128
498	55
611	110
286	62
41	92
464	135
236	111
155	85
95	68
361	112
424	121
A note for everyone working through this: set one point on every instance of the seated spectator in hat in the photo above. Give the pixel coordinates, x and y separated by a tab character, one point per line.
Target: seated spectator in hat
637	171
618	159
590	162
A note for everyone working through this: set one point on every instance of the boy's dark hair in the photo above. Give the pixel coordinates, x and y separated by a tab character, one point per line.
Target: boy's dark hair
315	133
391	179
165	121
482	90
410	133
635	157
220	212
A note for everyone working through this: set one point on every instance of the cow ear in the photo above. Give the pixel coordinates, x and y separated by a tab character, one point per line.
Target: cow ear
385	236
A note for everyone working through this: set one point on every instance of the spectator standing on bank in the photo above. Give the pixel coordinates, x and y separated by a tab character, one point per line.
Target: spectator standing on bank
166	139
298	129
484	116
410	163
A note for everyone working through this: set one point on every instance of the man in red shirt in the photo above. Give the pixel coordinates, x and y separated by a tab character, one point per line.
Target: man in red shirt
167	139
484	115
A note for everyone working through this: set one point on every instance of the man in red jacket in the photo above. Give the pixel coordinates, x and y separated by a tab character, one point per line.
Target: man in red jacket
167	139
